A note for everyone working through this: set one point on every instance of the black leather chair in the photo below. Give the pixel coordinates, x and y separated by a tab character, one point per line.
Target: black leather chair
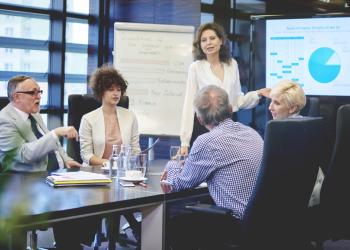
311	108
78	105
3	101
334	215
275	217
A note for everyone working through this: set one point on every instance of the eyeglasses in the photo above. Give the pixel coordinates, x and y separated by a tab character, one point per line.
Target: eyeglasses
31	92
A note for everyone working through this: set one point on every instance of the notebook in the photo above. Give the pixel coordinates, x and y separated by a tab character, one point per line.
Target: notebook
78	178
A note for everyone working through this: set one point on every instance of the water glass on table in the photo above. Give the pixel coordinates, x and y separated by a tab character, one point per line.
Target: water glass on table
175	153
137	167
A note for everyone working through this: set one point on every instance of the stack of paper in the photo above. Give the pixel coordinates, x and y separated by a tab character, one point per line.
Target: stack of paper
77	179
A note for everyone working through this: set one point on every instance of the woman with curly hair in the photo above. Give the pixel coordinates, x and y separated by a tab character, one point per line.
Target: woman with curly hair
106	126
109	124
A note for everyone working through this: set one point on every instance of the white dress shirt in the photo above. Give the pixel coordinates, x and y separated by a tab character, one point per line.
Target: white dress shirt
201	75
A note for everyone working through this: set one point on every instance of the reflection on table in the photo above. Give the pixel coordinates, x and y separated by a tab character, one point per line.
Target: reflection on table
42	205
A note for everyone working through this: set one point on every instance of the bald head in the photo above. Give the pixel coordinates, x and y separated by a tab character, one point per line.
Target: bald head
211	105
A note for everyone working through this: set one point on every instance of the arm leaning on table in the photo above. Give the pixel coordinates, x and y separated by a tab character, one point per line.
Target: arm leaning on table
196	169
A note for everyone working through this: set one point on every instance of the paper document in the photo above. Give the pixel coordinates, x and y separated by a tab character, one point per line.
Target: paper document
77	178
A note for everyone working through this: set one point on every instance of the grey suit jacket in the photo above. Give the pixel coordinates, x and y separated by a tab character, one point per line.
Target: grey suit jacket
20	150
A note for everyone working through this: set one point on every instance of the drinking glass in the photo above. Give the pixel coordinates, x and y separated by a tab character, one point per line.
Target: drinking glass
125	150
142	163
137	167
175	153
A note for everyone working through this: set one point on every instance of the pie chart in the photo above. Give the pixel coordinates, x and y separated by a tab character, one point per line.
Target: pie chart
324	65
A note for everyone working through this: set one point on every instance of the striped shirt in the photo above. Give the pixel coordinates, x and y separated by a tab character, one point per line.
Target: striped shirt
228	158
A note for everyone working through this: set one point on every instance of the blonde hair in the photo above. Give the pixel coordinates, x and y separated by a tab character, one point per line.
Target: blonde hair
292	94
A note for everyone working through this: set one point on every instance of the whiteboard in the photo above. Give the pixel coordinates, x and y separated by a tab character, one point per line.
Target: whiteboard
154	59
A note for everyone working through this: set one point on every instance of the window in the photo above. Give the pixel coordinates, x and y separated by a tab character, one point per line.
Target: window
29	47
8	31
76	73
3	88
78	6
207	18
73	88
207	1
8	66
77	31
25	67
29	3
38	61
28	26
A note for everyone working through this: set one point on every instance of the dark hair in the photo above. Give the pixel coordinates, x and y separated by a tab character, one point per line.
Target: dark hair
13	83
224	53
104	78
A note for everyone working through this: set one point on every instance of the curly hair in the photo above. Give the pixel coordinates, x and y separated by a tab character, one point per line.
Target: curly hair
104	78
224	53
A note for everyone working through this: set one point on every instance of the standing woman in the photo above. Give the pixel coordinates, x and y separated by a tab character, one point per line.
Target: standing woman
214	65
108	124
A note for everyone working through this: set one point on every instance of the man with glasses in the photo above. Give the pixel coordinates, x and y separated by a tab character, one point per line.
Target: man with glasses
25	142
26	145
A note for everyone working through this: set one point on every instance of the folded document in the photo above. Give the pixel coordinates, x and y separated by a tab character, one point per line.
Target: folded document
77	179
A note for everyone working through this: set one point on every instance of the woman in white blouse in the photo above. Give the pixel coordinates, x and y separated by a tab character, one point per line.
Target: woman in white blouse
109	124
213	65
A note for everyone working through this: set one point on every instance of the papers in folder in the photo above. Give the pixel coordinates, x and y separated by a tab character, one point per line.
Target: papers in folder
77	179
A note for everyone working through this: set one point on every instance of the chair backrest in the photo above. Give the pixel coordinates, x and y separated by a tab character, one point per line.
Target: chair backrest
275	212
311	108
3	101
336	185
78	105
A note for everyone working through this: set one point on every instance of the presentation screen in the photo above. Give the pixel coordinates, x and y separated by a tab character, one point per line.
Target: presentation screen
314	52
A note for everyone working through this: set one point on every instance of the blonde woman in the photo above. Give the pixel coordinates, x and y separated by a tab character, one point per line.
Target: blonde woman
287	99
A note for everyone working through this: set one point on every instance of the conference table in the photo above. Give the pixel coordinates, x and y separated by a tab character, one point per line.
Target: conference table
32	204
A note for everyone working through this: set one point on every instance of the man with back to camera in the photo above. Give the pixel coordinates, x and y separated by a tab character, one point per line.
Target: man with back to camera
26	145
228	158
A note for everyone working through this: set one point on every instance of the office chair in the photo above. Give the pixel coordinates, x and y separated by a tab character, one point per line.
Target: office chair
334	213
79	105
275	214
3	101
311	108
